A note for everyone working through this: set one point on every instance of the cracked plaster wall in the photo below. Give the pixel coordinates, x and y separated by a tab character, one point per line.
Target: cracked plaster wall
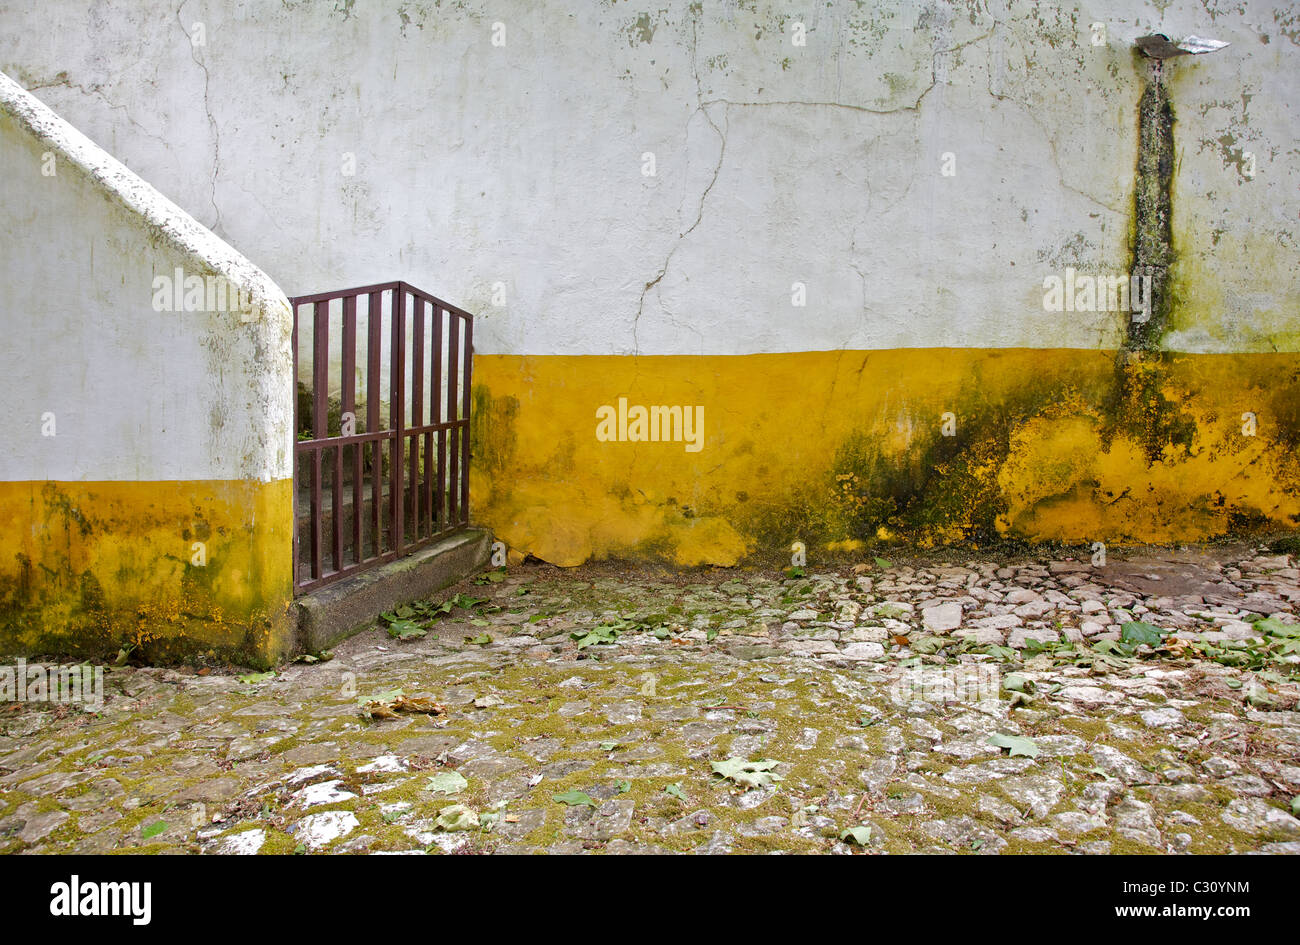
146	494
522	165
819	164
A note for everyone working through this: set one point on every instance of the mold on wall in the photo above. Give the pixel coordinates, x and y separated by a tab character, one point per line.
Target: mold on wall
145	494
849	446
830	245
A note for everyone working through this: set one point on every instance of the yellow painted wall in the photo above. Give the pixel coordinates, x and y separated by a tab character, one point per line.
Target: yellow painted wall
88	567
833	446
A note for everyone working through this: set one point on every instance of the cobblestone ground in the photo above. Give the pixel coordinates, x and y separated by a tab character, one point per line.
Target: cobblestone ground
988	707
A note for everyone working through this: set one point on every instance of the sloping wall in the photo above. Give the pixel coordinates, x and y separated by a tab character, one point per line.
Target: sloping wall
145	494
826	226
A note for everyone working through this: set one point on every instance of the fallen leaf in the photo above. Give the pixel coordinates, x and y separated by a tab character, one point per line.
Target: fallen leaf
378	710
406	630
858	835
456	817
574	798
421	704
748	774
1018	744
1014	682
1137	632
447	782
1275	627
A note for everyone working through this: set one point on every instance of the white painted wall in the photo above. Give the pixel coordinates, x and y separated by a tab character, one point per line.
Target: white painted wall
134	393
522	164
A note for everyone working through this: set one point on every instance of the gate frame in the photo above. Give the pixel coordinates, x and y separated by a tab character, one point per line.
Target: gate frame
453	452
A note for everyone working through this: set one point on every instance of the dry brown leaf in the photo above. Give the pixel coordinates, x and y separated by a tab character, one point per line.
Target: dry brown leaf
418	704
378	710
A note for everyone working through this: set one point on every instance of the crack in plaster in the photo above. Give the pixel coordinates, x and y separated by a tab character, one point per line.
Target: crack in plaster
96	91
212	121
703	107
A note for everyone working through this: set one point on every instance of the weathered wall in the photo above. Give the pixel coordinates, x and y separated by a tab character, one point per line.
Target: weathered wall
348	143
145	493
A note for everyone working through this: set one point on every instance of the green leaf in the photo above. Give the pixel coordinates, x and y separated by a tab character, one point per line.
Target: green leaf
405	630
153	830
748	774
456	817
405	612
608	746
858	835
257	677
605	633
711	634
882	563
447	782
1014	682
624	787
1295	805
1137	632
483	639
1276	628
675	789
1018	744
1113	648
574	798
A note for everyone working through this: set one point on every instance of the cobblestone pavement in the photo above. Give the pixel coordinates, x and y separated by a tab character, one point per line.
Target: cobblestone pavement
1027	706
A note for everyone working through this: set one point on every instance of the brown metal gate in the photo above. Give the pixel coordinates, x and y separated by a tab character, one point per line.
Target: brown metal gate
372	484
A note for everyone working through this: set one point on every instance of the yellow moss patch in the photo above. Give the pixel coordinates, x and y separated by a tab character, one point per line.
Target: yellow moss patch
196	565
841	448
